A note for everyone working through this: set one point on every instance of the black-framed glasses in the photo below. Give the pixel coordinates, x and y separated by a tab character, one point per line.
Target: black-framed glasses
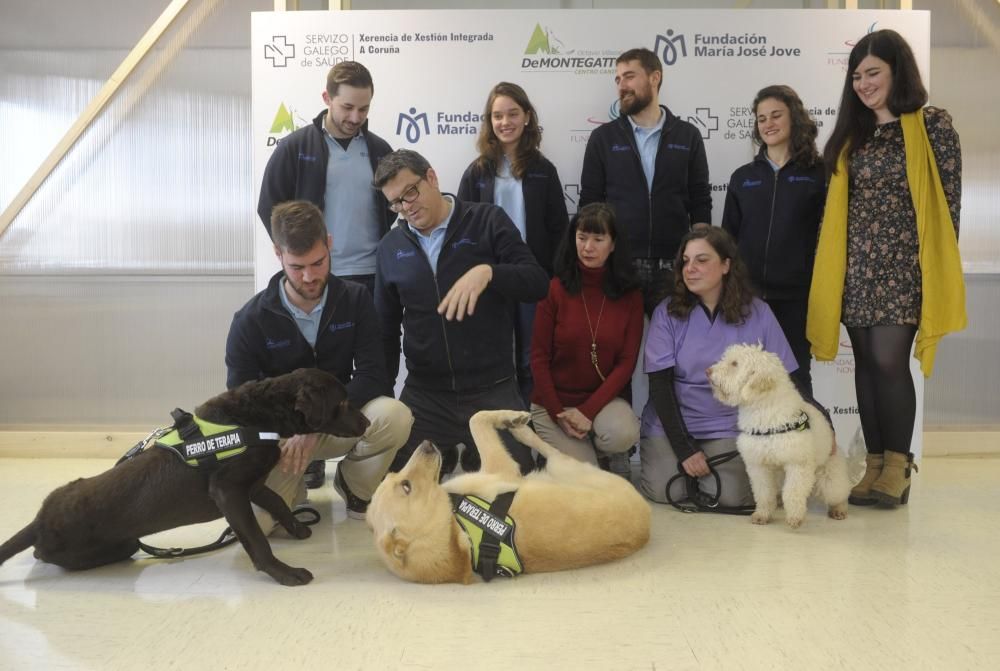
410	195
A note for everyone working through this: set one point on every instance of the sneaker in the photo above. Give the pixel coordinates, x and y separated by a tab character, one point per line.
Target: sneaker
315	474
356	507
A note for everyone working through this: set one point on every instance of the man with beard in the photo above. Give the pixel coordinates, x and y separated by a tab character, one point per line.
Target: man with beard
308	318
651	167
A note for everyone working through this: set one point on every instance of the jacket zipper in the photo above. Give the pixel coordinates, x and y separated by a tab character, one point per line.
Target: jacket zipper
437	292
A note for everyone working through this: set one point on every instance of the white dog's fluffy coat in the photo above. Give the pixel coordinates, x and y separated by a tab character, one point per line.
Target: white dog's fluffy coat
755	381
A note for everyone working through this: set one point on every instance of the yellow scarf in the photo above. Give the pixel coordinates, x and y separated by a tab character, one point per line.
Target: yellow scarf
942	309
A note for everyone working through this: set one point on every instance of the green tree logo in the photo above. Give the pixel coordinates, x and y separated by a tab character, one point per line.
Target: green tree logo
282	121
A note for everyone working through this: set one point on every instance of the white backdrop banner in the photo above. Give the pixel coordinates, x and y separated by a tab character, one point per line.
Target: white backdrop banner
433	69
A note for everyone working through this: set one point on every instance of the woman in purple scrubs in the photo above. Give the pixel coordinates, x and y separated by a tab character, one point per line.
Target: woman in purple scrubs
711	307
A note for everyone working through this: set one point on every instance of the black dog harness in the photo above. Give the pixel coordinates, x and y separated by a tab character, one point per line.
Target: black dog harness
200	443
491	531
800	424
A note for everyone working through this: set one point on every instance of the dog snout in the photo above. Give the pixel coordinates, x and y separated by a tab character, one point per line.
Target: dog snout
427	447
708	373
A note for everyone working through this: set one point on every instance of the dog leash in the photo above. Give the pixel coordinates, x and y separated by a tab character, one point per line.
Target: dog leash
698	501
228	537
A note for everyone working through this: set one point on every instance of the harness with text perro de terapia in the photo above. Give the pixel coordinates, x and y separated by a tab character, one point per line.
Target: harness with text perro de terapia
491	532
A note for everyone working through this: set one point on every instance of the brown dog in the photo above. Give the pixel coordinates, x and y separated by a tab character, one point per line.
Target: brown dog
95	521
569	515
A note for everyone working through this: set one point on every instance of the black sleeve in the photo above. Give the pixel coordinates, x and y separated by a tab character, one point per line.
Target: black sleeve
466	187
278	184
593	187
664	397
732	217
369	379
241	364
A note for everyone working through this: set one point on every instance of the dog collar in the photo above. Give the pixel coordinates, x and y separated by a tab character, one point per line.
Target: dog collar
800	424
491	534
200	443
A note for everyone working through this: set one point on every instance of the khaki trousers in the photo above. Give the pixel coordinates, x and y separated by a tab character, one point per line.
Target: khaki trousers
615	430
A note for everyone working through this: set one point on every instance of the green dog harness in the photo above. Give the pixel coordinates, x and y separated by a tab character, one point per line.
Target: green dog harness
491	531
200	443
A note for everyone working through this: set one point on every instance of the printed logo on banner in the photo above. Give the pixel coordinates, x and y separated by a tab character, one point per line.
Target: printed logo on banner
704	121
282	125
279	51
547	53
840	58
413	126
671	47
545	41
413	130
666	47
571	194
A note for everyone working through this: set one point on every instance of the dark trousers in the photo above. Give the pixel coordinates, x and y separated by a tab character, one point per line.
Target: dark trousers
791	316
656	276
442	417
524	325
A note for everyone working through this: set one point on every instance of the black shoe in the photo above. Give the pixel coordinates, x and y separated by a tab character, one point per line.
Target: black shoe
470	459
315	474
357	507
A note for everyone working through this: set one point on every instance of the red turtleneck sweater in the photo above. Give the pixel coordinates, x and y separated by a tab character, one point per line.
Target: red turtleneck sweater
560	346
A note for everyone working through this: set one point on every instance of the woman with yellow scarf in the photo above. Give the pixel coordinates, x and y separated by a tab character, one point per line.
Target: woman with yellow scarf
887	263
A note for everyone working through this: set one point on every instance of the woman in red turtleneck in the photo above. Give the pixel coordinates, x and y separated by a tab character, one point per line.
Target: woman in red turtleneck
586	341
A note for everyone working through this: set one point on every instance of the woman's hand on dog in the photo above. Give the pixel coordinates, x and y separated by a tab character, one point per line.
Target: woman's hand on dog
296	453
696	466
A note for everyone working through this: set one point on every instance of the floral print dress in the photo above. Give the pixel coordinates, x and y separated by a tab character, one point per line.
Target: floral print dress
882	286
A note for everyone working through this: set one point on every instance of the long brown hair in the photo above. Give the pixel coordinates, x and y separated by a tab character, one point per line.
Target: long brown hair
488	145
736	294
855	122
802	140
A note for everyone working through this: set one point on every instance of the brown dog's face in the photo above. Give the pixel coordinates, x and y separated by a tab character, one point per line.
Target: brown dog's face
416	534
322	400
744	373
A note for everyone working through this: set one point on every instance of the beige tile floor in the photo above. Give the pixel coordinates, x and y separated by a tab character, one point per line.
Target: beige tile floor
915	588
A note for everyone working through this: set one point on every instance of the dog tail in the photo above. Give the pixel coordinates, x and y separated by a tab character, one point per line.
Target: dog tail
19	542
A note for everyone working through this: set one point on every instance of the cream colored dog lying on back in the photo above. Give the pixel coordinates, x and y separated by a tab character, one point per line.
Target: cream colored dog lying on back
781	435
569	515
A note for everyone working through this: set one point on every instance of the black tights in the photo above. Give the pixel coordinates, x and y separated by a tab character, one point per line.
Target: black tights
887	401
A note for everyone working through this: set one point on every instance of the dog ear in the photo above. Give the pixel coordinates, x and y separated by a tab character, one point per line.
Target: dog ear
760	384
394	546
316	404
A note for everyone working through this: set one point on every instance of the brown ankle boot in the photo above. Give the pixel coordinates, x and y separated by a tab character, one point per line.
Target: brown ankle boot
861	494
893	486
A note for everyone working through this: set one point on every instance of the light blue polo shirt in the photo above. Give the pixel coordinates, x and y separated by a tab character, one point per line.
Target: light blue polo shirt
308	322
648	141
350	212
432	243
508	194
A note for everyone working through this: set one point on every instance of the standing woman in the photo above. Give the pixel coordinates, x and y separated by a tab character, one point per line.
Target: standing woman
512	173
887	265
773	208
586	342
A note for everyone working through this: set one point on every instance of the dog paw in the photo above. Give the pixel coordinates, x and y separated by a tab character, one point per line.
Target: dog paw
760	518
290	576
838	512
510	419
794	522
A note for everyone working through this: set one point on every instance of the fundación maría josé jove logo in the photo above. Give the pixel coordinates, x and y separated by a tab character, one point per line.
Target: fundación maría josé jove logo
672	46
414	125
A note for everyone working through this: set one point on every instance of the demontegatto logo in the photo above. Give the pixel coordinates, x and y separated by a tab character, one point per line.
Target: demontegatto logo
279	51
282	125
544	41
666	47
413	130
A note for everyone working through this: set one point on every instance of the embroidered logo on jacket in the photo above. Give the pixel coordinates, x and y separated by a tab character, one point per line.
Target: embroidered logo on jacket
403	254
341	326
277	344
800	178
748	183
463	241
620	147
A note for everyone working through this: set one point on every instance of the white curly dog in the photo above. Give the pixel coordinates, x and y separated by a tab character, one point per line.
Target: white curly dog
780	433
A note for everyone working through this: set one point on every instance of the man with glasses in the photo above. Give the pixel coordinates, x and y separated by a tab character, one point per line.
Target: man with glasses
448	273
330	163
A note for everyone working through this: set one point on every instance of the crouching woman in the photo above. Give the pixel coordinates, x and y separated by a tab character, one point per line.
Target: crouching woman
685	430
